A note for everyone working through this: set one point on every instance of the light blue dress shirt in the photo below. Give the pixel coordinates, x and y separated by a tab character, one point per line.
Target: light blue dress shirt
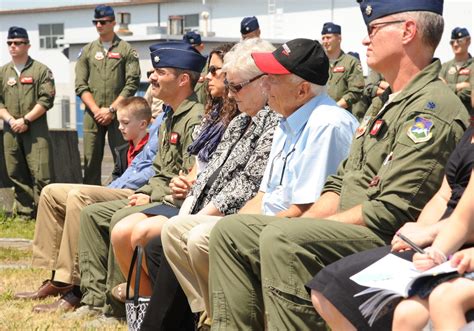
307	147
140	170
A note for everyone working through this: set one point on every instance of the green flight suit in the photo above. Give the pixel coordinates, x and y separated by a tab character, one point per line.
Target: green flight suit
260	264
98	220
201	87
27	155
346	80
370	91
107	75
453	75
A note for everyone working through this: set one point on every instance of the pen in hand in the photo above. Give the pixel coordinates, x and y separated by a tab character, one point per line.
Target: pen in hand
410	243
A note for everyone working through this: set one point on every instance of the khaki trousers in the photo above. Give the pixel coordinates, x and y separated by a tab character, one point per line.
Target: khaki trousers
58	222
186	245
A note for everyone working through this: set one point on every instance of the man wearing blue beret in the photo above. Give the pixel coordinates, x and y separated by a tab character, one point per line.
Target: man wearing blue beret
396	163
346	80
26	92
457	72
194	39
107	71
249	28
177	69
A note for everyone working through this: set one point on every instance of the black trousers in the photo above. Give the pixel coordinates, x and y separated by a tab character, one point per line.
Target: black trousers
168	308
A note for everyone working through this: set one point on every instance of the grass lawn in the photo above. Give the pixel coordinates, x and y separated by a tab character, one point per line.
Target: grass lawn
16	275
11	227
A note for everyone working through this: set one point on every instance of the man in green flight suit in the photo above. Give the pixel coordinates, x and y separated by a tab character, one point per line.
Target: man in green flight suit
194	39
457	72
346	80
259	265
26	93
177	69
107	71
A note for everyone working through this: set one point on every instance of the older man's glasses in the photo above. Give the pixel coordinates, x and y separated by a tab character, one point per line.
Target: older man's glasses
17	43
235	88
373	28
213	69
101	22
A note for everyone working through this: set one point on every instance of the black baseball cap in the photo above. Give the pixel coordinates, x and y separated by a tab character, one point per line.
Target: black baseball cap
303	57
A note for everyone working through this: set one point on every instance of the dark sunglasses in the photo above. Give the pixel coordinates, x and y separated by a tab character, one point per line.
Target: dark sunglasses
17	43
148	73
213	69
235	88
372	28
102	22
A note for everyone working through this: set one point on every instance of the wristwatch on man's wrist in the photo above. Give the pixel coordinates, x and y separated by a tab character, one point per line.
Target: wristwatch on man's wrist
112	110
26	121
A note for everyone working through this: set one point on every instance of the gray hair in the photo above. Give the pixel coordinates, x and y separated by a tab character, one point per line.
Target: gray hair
314	88
239	60
430	26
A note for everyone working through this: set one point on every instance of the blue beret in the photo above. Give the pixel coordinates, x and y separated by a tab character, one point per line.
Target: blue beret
374	9
102	11
329	28
192	37
459	33
176	54
354	54
17	32
248	24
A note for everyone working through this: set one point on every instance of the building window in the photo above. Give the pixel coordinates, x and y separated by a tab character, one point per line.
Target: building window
49	33
191	22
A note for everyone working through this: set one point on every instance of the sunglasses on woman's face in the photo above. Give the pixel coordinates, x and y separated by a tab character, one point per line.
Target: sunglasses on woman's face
235	88
213	69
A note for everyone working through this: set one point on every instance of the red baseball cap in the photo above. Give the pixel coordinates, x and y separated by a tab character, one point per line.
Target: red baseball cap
303	57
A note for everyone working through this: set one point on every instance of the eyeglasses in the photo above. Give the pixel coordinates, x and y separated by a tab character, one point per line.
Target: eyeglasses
372	28
213	69
285	160
17	43
235	88
458	41
102	22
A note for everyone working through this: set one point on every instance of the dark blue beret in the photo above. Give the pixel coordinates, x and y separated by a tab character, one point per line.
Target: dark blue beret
330	27
176	54
17	32
374	9
459	33
354	54
102	11
248	24
192	37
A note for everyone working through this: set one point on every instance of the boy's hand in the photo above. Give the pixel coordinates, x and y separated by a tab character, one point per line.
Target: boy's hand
138	199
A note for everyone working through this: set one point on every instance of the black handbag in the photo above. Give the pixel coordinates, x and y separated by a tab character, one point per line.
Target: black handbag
135	307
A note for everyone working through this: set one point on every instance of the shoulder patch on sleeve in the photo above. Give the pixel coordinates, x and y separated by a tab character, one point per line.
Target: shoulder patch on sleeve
420	131
430	105
135	53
